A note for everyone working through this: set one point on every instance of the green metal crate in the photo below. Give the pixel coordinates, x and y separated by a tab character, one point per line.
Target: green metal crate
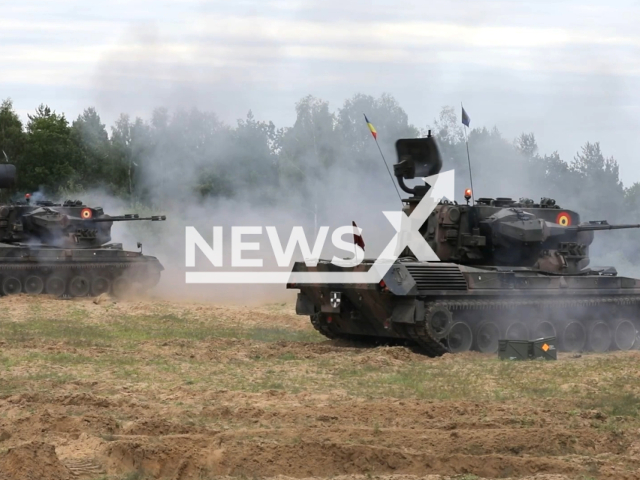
545	348
514	349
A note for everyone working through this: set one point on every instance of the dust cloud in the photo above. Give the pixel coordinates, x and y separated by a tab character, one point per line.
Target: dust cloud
324	170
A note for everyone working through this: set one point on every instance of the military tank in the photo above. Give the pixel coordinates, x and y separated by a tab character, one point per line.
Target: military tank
63	249
512	269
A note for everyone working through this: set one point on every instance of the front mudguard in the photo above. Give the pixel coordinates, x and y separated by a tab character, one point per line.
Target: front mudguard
304	305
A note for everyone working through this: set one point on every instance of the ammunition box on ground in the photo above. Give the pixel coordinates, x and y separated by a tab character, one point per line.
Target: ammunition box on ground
545	348
514	349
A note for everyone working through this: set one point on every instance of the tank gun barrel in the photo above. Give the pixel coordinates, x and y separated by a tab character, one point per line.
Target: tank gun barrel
602	225
130	218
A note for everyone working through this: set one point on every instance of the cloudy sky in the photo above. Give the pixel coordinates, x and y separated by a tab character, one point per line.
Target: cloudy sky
566	70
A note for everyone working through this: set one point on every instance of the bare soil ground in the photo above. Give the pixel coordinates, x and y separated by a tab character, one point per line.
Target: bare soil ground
153	389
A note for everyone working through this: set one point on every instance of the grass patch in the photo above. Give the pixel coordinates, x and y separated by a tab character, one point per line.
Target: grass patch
129	348
288	356
614	404
262	334
131	329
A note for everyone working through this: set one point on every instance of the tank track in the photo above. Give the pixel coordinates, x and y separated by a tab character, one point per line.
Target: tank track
419	334
323	328
422	333
428	342
426	339
142	270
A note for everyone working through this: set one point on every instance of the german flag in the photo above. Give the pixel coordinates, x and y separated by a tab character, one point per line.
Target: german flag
371	127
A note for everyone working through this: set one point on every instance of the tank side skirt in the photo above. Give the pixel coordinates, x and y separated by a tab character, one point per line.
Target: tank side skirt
38	265
591	301
475	292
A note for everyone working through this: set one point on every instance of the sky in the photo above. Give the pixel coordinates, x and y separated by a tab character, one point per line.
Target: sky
567	71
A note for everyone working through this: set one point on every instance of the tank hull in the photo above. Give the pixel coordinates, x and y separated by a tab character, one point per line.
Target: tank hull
445	307
76	272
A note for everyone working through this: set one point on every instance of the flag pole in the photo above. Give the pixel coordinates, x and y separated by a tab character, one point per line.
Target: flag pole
383	159
386	165
466	141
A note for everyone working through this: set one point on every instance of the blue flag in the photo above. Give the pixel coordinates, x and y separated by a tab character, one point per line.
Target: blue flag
466	120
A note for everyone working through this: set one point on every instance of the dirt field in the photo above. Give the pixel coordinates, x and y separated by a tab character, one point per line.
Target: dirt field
152	389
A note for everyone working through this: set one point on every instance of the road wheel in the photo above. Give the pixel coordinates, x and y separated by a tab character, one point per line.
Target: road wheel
100	285
488	337
55	285
438	321
11	286
34	285
574	337
460	337
543	329
599	337
624	335
79	286
517	331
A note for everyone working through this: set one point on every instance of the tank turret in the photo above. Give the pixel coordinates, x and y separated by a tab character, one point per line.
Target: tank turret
71	224
497	232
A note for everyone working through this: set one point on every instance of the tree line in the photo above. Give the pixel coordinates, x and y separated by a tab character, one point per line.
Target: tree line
186	154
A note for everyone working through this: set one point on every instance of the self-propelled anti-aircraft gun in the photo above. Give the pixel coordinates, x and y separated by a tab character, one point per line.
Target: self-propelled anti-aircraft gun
63	248
506	269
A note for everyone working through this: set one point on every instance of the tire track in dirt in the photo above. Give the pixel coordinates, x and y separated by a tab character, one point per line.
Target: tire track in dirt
287	435
87	426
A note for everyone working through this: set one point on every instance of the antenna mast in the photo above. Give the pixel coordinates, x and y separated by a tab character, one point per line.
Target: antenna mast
375	138
466	121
